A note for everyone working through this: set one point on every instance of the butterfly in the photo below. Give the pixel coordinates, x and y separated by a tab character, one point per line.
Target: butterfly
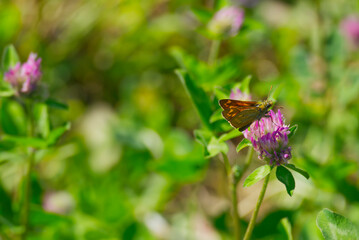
241	114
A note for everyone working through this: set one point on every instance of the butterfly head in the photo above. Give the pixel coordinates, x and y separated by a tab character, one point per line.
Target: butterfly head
267	104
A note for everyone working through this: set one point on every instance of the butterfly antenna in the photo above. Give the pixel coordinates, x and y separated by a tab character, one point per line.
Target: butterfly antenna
269	91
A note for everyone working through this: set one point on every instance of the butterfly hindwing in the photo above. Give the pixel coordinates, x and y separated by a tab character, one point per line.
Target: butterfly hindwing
240	119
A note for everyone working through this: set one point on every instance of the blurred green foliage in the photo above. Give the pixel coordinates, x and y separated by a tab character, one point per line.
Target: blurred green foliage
131	166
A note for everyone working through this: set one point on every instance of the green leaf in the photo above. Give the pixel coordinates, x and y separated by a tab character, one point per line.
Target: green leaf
55	104
232	134
41	217
215	147
198	97
203	15
25	141
205	75
286	177
13	120
275	92
42	119
286	227
221	4
6	89
244	143
57	133
292	130
335	227
217	115
298	170
244	84
9	58
220	94
203	137
257	175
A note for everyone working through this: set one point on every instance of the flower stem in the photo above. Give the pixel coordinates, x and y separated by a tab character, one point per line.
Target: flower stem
237	227
27	198
227	165
250	227
235	180
214	51
248	159
30	165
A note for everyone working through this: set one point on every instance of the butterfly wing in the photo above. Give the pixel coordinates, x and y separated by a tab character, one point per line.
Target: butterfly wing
241	118
229	103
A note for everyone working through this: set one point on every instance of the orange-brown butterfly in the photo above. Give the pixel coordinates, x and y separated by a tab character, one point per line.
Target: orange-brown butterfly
241	114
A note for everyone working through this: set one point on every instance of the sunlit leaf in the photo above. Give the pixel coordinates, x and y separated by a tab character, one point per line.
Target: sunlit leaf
215	147
25	141
257	175
336	227
244	143
5	89
232	134
286	227
57	133
9	58
42	119
13	120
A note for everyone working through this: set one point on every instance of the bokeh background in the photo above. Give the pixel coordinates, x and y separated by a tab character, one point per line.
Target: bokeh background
130	167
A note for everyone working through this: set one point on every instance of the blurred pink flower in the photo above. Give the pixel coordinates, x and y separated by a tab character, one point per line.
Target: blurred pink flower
24	78
237	94
60	202
226	22
269	137
350	28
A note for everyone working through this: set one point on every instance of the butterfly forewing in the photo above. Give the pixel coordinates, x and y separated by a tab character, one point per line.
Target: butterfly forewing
229	103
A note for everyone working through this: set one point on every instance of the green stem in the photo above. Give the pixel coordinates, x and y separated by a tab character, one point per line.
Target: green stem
227	165
30	165
235	180
250	227
214	52
248	159
27	198
237	229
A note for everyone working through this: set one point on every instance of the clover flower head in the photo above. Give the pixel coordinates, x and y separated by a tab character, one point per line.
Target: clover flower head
350	29
24	78
226	22
269	137
237	94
